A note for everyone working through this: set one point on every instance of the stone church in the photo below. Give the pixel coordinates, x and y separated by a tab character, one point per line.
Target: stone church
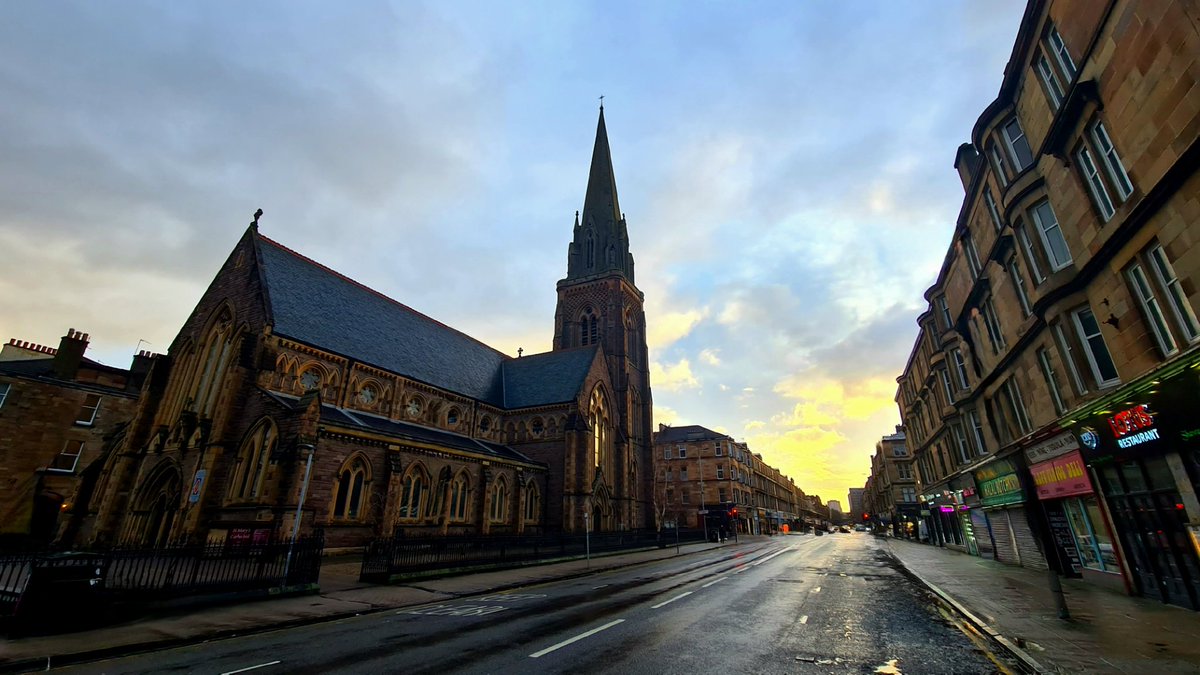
403	425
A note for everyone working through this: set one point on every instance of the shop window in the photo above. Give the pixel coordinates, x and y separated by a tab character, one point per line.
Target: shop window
1095	546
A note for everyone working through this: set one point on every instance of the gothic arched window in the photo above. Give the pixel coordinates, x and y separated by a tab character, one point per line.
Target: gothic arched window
533	500
499	506
214	358
590	249
349	489
458	498
598	418
413	493
253	459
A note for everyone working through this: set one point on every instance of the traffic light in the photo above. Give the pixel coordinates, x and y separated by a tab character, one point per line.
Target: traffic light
866	516
733	513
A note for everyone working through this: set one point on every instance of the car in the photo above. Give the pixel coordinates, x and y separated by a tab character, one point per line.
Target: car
860	528
845	529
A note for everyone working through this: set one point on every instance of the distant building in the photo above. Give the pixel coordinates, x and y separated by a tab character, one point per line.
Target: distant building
856	504
892	498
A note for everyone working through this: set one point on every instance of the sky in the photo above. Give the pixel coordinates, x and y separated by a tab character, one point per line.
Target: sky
786	169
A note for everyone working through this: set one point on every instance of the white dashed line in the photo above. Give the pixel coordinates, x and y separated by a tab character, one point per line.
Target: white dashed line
804	619
713	582
759	562
667	602
577	638
242	670
817	589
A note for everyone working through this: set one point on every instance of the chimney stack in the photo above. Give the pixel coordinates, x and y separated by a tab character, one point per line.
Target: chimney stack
966	160
140	368
70	354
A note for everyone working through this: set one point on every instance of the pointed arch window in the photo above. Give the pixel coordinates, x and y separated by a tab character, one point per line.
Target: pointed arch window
590	251
253	459
498	511
350	489
413	494
533	502
214	357
458	498
588	328
598	418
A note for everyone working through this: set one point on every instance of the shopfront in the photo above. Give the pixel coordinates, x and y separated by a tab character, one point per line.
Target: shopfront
1003	500
1081	535
1143	454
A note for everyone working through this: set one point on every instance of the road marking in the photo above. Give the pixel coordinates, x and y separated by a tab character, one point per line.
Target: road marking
242	670
577	638
759	562
667	602
594	588
817	589
455	610
713	582
804	619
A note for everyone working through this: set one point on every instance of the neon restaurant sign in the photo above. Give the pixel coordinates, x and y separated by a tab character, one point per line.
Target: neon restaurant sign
1133	426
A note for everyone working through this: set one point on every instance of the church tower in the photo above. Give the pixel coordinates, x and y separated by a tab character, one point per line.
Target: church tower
598	303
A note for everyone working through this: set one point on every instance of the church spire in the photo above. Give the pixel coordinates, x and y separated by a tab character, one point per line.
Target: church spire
601	242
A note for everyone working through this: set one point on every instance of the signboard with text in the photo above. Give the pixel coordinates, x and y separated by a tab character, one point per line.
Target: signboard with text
1061	477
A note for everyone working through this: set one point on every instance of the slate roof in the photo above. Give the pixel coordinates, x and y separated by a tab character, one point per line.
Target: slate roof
543	379
404	431
313	304
693	432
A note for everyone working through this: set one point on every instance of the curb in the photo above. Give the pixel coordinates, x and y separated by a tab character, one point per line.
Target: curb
1016	652
47	662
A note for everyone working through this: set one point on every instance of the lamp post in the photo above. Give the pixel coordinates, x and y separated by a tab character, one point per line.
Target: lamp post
587	538
287	565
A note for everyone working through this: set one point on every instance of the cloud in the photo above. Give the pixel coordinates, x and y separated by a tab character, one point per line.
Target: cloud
673	377
665	329
665	415
710	357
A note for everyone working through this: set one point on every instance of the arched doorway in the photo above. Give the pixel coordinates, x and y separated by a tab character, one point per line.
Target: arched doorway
154	510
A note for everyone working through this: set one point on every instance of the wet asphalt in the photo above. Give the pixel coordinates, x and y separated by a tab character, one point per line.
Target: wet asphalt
798	604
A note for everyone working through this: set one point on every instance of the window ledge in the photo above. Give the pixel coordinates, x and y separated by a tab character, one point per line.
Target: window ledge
1068	116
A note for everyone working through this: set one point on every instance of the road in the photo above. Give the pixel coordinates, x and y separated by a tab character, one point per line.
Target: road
798	604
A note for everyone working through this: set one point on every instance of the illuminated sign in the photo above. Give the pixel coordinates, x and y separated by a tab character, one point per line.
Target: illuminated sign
1133	426
1061	477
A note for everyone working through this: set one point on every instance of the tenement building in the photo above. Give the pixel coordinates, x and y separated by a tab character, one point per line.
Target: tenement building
699	472
293	386
59	412
1050	395
891	490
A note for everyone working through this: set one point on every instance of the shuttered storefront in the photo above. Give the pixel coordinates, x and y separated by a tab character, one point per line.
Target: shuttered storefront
1027	546
1002	535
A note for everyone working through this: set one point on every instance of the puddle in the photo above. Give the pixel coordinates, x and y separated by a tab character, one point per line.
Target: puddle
889	668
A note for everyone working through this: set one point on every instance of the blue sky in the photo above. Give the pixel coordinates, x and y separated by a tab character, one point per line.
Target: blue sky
785	168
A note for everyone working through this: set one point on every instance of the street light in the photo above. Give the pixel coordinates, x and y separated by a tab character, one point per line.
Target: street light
302	447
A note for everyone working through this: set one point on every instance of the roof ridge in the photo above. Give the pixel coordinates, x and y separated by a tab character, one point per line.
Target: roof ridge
368	289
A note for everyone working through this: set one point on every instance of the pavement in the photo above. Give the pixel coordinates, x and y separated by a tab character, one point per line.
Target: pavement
341	595
1109	632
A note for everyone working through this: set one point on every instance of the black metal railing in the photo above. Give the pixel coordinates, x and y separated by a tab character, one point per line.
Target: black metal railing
383	558
130	575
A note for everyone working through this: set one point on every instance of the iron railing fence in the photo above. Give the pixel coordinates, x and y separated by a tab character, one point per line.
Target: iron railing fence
383	558
129	574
